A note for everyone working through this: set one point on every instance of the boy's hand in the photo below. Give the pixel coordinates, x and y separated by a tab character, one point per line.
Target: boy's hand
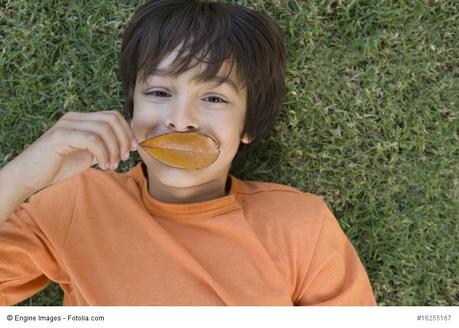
71	145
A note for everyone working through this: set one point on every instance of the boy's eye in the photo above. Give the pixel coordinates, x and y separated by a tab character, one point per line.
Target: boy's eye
217	98
165	94
157	92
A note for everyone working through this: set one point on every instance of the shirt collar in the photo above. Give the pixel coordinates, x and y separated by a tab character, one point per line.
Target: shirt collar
187	211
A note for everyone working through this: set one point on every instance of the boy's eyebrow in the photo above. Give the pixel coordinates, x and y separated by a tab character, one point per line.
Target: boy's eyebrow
218	78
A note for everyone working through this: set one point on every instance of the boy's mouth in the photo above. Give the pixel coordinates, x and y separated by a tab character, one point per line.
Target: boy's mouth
184	150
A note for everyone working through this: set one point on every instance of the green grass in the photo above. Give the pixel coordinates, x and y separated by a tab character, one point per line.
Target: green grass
370	121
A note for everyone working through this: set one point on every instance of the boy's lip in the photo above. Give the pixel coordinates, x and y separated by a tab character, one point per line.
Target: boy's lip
211	137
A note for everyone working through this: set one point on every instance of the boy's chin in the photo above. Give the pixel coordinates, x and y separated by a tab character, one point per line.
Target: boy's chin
176	177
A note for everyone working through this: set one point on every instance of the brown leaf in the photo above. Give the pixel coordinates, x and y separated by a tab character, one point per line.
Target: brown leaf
186	150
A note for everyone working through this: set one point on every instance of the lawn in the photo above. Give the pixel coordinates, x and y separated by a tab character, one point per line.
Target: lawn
370	121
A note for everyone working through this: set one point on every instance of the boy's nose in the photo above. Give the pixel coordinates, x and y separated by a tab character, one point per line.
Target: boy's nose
182	119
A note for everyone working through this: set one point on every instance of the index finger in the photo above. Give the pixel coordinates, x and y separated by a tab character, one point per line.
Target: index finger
128	129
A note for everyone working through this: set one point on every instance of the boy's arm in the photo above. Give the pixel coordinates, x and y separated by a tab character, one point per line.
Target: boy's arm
32	239
335	276
11	196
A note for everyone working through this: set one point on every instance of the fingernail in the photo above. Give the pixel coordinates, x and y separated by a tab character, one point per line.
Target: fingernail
126	155
115	165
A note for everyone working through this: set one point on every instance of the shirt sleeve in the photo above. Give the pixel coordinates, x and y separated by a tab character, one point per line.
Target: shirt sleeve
31	242
336	276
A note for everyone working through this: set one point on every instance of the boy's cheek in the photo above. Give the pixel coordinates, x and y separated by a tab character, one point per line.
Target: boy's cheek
144	126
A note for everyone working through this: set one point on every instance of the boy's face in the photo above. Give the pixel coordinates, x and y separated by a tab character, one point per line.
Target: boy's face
166	104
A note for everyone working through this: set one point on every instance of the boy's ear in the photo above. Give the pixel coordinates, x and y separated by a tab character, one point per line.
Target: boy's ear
247	138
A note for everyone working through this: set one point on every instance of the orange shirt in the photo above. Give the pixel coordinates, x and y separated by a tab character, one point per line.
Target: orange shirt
106	241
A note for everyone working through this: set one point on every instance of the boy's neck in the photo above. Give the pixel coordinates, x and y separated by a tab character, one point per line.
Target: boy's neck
214	189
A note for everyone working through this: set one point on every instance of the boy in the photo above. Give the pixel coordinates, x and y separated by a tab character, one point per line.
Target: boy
162	235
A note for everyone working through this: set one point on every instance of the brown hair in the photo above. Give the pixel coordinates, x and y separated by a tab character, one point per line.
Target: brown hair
213	33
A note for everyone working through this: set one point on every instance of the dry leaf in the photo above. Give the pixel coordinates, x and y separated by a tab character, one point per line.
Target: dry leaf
187	150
